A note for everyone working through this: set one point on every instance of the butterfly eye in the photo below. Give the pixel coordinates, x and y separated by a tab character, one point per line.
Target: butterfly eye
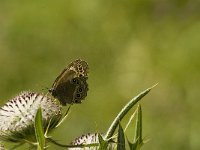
74	80
78	95
80	89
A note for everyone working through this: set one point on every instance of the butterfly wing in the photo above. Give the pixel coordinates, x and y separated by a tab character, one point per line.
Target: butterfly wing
71	86
81	89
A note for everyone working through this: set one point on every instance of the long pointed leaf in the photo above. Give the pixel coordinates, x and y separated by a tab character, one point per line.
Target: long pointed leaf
130	120
138	141
138	127
124	111
39	131
120	139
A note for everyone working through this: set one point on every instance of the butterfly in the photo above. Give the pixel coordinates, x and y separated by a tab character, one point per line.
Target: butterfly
71	85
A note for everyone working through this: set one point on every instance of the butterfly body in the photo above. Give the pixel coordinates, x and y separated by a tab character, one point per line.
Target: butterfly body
71	85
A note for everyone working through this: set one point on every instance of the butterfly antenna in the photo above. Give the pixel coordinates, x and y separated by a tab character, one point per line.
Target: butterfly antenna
45	88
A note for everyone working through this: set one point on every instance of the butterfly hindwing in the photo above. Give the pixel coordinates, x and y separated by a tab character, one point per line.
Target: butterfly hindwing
81	89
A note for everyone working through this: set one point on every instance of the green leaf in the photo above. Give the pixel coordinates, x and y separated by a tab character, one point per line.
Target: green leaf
120	139
124	111
138	141
39	131
130	120
103	143
138	127
133	146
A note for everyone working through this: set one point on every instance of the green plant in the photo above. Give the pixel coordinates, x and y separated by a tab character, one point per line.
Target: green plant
34	127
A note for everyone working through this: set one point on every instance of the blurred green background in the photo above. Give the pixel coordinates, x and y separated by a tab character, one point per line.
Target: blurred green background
129	45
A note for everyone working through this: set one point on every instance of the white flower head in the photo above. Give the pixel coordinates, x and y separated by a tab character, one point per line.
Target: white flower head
90	138
18	114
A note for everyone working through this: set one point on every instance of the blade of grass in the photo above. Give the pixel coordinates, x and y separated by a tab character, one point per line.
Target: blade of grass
120	139
130	120
39	131
138	127
124	111
137	141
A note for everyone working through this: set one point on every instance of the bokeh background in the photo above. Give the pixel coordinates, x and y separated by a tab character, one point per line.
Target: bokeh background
129	45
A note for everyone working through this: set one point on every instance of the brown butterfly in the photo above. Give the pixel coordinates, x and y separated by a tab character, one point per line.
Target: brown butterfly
71	86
